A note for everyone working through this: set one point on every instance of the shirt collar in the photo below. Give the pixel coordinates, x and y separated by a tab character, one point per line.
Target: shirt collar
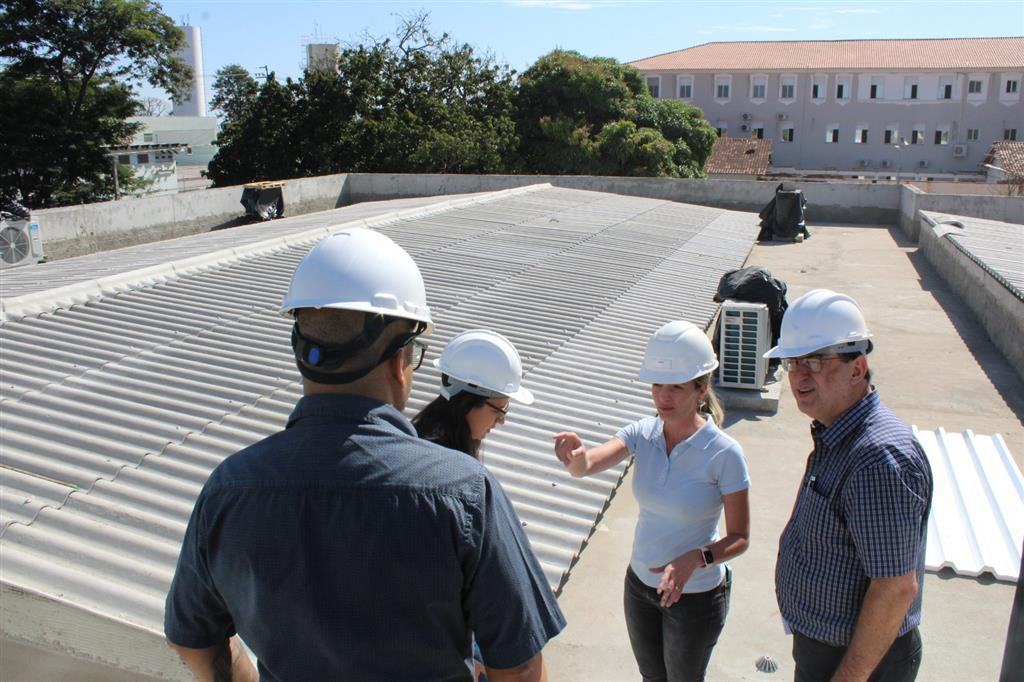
834	434
348	408
698	440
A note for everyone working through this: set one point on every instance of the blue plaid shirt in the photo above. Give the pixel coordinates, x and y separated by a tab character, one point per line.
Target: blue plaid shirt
861	513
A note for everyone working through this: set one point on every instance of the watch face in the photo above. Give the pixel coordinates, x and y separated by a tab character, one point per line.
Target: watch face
709	558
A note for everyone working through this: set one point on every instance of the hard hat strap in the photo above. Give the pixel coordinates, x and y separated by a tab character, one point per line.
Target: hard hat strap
319	362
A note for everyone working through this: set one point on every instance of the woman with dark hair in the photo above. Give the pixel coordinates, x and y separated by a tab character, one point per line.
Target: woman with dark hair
480	372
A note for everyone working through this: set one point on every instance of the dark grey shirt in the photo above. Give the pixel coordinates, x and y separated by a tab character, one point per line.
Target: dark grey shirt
345	547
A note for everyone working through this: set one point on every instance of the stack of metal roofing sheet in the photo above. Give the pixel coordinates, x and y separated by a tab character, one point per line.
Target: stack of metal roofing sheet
977	520
116	408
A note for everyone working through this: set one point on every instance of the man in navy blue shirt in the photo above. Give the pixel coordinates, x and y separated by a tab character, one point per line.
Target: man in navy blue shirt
345	547
851	559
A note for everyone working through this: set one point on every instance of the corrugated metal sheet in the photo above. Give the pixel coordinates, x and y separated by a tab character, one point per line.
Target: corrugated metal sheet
115	410
977	520
996	246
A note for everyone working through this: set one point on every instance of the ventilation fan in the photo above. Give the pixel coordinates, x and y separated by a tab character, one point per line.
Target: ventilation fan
20	243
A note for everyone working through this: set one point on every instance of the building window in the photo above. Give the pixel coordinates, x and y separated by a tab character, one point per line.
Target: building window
124	159
757	132
815	91
147	137
941	136
974	87
840	90
832	135
917	136
654	85
722	87
758	87
142	158
819	88
722	129
947	91
1011	87
686	88
1010	134
910	88
889	137
874	91
787	134
787	87
972	134
860	135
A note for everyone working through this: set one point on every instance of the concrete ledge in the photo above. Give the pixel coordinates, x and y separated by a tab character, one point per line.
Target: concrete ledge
1000	312
765	401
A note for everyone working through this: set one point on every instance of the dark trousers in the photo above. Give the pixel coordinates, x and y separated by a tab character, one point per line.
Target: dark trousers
674	644
817	661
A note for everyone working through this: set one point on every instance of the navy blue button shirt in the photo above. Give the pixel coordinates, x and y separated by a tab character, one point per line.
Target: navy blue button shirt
345	547
861	513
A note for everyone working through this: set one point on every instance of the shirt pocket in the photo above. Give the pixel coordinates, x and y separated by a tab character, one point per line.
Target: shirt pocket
819	523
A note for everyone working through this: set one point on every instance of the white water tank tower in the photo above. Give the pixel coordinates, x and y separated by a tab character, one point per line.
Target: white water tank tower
192	54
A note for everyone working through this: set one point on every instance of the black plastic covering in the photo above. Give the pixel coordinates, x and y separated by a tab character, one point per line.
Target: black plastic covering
264	203
782	219
754	284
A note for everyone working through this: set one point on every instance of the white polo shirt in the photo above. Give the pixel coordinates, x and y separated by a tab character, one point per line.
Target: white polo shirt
680	496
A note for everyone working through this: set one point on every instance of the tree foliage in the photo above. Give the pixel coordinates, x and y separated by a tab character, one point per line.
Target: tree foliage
594	116
67	73
414	102
234	90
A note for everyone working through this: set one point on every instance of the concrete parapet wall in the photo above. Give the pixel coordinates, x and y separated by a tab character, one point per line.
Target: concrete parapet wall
1000	312
827	201
78	230
912	201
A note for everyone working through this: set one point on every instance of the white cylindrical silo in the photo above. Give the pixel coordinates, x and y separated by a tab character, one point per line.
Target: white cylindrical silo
192	54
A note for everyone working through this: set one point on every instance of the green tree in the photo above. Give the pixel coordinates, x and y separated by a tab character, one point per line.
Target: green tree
68	69
260	144
234	90
592	115
415	102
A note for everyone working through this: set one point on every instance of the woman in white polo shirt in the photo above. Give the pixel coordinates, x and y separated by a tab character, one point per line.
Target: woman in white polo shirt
687	471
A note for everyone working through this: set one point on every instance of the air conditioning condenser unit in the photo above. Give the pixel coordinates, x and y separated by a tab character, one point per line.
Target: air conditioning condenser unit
20	243
782	117
744	338
959	150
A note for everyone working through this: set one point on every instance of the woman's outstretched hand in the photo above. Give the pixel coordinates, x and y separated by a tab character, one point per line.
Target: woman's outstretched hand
568	446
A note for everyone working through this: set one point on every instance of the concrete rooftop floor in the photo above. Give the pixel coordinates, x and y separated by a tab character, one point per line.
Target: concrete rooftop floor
933	365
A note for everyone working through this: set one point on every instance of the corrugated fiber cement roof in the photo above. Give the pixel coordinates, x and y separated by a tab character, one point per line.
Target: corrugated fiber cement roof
115	409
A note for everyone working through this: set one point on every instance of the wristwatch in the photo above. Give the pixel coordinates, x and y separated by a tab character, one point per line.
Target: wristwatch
708	557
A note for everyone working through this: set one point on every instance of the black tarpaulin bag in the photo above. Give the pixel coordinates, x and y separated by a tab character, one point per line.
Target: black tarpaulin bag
754	284
782	219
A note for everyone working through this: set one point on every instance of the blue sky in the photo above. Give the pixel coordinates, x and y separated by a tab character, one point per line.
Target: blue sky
273	33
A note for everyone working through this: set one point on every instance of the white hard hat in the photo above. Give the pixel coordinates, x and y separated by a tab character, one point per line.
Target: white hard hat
822	320
483	363
359	269
677	353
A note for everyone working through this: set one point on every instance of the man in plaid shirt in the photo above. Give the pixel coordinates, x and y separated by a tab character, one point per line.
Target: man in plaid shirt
851	559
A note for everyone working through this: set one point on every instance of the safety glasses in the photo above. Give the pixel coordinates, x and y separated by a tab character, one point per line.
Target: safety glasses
811	363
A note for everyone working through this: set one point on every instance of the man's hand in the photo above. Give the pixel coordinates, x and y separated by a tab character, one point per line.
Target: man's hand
224	662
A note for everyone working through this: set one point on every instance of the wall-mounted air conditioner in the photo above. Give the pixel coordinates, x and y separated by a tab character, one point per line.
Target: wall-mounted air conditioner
782	117
864	163
922	164
886	164
746	117
20	243
744	127
959	150
744	338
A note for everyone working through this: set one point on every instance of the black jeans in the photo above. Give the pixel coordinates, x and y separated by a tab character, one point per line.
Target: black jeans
674	644
817	661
